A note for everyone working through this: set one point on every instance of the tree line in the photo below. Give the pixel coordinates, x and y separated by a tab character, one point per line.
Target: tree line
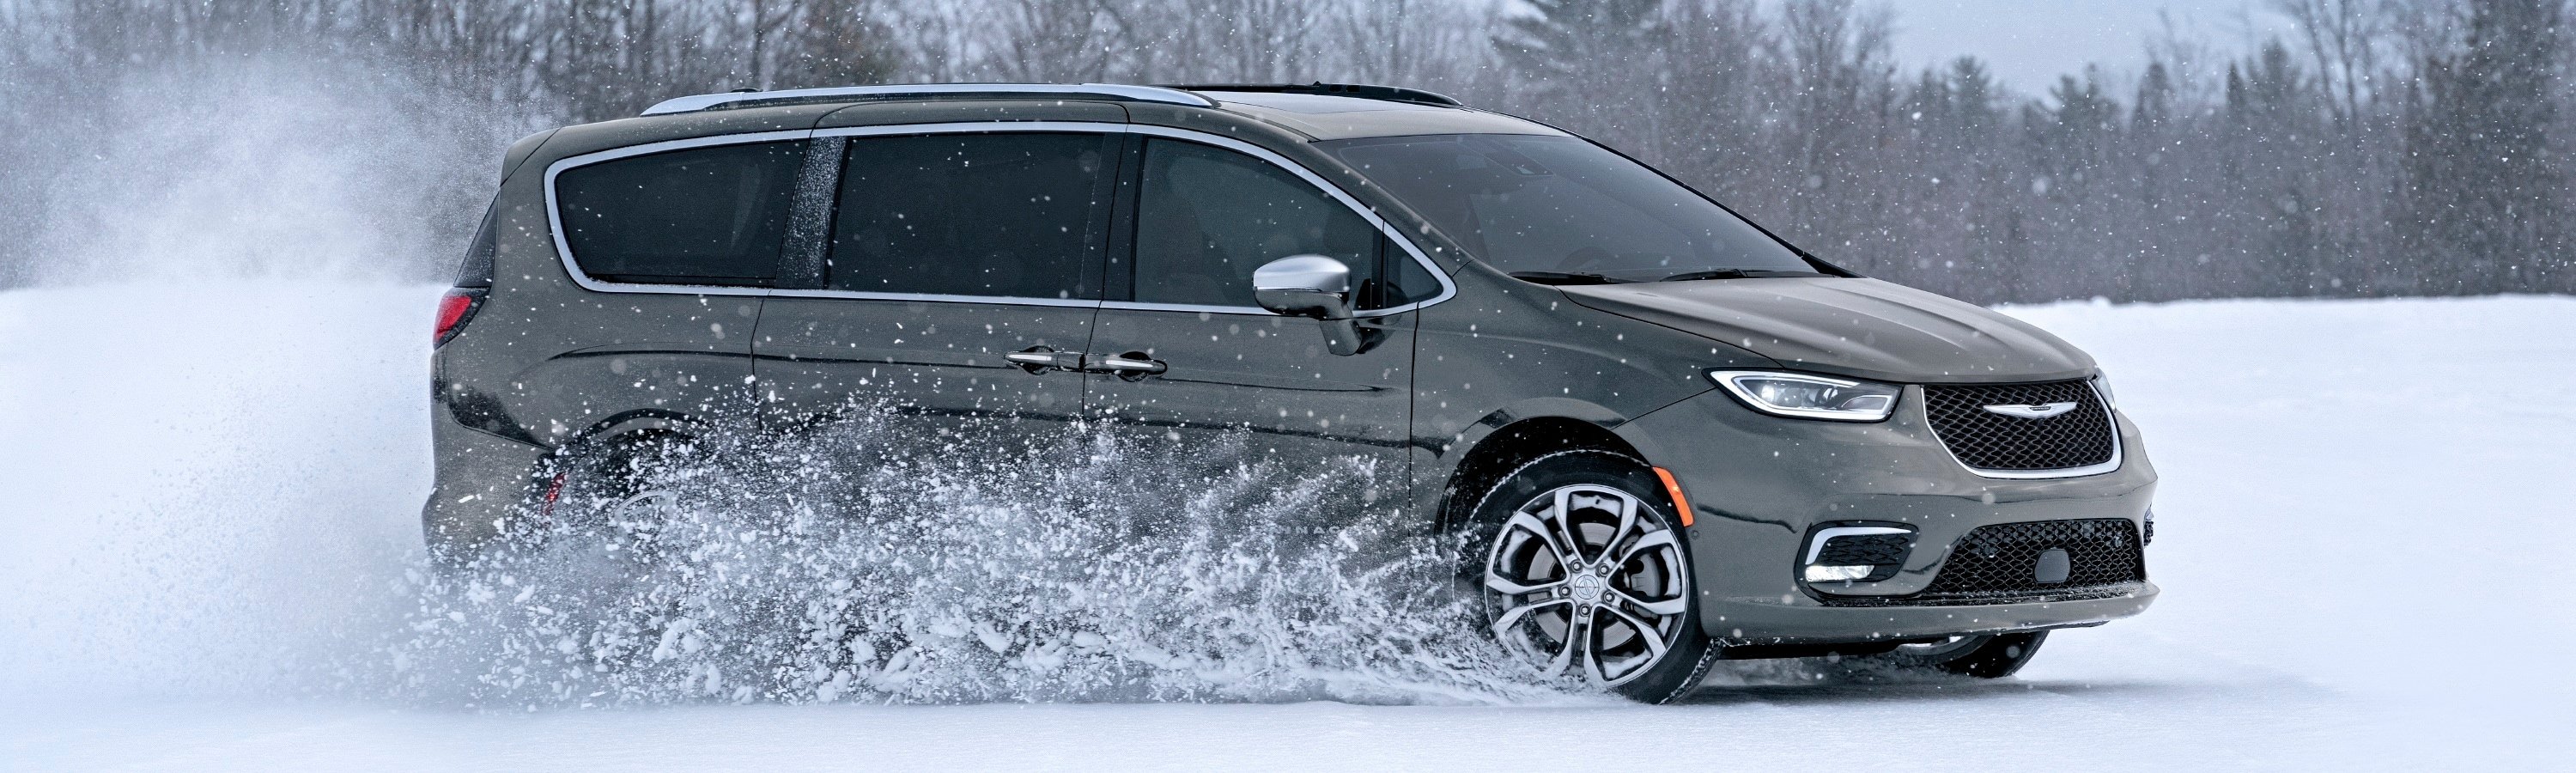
2381	147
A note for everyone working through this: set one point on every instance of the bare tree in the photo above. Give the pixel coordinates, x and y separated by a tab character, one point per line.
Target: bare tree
1069	40
2394	146
2344	37
1840	94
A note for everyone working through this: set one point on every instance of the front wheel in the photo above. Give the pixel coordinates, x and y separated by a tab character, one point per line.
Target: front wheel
1583	571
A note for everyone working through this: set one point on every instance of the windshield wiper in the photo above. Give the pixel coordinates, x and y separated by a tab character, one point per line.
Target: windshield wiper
1735	273
1567	278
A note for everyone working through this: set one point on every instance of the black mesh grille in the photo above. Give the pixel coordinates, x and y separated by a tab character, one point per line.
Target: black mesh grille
1886	552
1986	440
1866	549
1996	565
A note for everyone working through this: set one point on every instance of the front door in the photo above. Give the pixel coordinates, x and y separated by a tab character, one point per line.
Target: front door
1202	367
959	269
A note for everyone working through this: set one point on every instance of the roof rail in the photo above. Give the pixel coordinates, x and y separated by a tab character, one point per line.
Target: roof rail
1110	91
1356	90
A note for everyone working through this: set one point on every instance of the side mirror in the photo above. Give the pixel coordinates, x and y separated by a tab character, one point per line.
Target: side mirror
1314	287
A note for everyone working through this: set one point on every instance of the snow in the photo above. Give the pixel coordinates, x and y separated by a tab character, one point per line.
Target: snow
208	500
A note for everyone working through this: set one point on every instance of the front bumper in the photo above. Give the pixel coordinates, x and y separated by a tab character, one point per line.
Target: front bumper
1758	623
1758	483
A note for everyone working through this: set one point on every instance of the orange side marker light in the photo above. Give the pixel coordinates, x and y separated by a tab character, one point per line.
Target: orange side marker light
1673	487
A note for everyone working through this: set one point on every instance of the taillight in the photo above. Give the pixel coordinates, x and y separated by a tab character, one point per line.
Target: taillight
455	308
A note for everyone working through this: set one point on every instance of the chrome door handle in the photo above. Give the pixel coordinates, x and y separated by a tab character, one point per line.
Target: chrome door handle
1131	365
1039	359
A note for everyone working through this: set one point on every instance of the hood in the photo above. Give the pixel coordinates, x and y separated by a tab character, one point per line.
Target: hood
1864	328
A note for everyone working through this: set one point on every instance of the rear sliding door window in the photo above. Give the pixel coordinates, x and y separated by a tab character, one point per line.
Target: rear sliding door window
1003	215
703	216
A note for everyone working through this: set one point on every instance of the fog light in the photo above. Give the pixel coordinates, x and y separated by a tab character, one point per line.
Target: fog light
1856	552
1822	573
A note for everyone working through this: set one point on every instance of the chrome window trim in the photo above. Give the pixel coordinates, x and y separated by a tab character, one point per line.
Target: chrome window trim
989	300
1208	309
2118	455
696	102
563	248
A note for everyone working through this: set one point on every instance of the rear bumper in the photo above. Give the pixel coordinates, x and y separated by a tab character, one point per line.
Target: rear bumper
1759	484
481	481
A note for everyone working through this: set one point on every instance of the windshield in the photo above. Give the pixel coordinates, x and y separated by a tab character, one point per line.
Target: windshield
1562	210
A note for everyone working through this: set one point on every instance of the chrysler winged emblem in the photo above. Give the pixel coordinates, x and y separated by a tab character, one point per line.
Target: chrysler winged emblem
2033	410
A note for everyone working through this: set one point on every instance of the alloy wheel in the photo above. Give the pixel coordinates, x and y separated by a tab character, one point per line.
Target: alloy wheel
636	522
1588	577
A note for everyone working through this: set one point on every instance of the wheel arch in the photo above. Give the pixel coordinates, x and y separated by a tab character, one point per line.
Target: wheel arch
616	434
1515	442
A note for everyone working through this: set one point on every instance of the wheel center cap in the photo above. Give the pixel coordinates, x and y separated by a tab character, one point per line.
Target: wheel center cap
1587	586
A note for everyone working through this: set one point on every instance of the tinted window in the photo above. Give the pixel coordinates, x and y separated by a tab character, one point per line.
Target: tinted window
476	271
710	216
1014	215
1207	217
1560	204
1399	280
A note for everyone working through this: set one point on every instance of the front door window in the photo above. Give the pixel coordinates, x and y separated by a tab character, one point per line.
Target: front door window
1207	217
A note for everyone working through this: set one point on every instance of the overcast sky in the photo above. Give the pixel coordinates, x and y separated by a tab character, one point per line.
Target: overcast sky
2031	42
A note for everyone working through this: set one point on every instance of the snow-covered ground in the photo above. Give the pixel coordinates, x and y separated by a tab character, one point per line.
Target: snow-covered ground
208	493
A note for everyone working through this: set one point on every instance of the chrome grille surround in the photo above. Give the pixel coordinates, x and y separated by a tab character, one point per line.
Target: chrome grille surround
2085	441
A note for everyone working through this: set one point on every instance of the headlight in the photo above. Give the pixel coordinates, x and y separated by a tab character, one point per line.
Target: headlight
1810	397
2102	383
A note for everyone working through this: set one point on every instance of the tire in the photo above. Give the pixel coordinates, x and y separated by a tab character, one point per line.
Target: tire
620	494
1985	656
607	542
1631	621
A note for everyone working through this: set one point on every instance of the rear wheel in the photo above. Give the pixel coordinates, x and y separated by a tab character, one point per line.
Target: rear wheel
609	544
1584	571
620	497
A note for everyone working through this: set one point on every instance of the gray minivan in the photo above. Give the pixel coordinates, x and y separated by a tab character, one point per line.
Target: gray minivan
1668	436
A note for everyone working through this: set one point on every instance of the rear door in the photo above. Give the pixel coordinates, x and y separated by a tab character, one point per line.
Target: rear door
672	247
1235	378
956	272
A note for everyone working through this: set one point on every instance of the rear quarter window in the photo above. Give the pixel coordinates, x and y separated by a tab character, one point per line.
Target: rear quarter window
702	216
476	270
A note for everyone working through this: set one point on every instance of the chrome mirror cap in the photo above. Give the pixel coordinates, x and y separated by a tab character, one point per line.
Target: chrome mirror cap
1308	273
1314	287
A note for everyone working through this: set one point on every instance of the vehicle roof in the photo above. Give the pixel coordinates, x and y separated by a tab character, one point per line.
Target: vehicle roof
1330	117
1289	117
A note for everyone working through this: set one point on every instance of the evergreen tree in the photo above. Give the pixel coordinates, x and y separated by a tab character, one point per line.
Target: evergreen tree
1972	95
2392	147
1592	58
1567	42
2484	194
2154	109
